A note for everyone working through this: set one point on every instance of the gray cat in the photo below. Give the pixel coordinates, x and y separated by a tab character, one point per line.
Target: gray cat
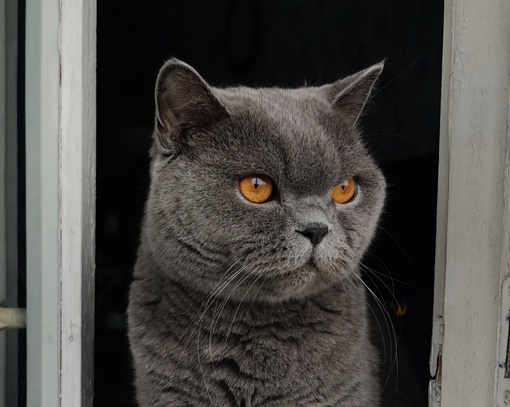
247	288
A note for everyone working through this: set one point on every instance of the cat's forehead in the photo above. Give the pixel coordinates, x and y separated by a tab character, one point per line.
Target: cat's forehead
290	132
277	102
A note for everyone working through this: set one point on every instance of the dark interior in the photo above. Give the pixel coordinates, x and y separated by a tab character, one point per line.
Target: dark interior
273	43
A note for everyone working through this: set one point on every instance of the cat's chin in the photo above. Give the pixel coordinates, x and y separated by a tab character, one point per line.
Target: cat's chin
307	281
305	276
302	282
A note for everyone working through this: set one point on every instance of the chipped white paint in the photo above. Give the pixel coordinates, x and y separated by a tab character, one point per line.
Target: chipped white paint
60	95
502	393
442	217
502	390
472	224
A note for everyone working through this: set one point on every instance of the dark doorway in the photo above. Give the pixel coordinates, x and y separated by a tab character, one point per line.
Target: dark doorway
273	43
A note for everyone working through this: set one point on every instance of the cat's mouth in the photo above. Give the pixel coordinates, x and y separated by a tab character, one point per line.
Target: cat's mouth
311	261
324	267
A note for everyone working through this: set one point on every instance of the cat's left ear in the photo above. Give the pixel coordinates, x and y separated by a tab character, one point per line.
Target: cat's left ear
350	95
183	101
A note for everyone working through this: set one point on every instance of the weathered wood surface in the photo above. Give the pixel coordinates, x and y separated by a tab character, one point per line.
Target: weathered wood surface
473	225
78	166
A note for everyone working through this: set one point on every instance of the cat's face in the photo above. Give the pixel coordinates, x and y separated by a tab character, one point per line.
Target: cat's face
265	193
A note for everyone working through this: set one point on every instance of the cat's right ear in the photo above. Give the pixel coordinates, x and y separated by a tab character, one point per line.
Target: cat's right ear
349	95
183	101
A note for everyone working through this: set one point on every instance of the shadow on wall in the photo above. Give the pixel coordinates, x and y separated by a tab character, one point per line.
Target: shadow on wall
271	43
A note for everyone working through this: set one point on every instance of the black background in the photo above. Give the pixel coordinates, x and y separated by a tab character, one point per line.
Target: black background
272	43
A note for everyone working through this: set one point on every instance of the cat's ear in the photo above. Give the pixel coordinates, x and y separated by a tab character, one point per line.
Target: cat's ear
349	95
183	101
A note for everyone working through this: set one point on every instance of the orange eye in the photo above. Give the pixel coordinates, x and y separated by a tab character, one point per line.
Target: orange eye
345	191
256	188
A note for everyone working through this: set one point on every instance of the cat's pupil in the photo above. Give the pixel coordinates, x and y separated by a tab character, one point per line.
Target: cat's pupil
256	183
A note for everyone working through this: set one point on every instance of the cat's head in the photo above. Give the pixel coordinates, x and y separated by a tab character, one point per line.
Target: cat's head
265	193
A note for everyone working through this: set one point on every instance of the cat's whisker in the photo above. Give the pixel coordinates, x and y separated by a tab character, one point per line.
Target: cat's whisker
369	272
393	363
225	301
388	274
398	245
210	299
377	321
347	294
216	314
385	350
381	263
202	369
255	297
219	287
199	359
216	296
229	330
386	317
385	314
377	275
396	77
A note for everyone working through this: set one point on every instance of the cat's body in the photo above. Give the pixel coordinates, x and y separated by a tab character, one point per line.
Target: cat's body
236	303
299	353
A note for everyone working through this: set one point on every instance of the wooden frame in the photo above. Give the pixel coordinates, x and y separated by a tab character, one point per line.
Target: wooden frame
473	221
77	177
60	140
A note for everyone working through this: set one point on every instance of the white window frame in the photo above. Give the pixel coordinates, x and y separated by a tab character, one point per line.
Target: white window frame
473	222
60	157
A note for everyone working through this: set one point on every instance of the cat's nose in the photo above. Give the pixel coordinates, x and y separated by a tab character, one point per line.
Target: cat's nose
314	233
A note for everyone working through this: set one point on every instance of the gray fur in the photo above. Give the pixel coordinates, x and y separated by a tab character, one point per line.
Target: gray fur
229	305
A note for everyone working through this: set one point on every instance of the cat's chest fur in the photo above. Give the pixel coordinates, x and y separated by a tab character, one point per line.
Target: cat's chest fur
199	351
